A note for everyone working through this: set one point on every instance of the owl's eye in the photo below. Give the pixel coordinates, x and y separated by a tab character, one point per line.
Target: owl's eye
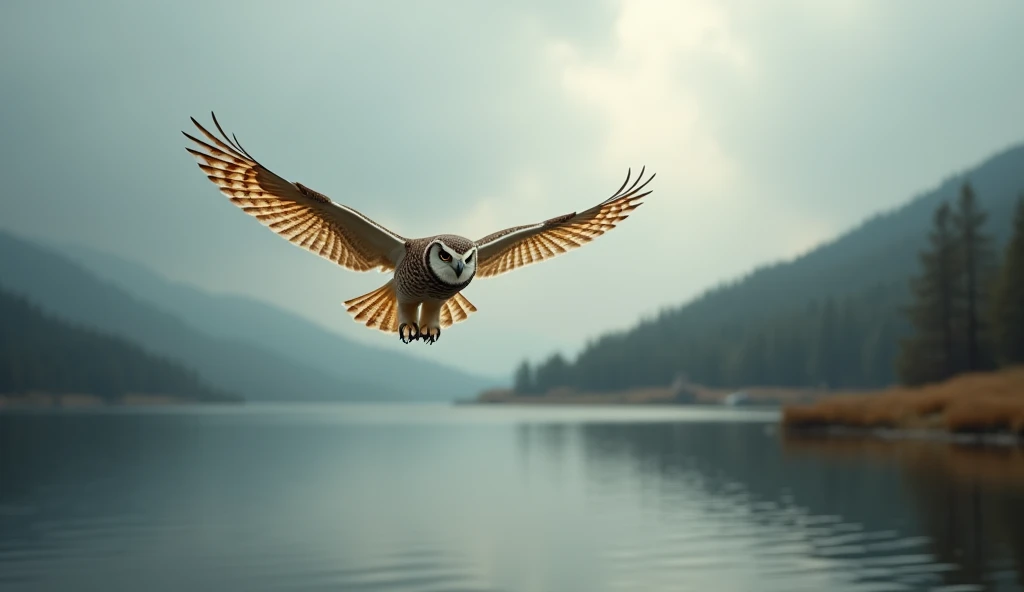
470	258
444	255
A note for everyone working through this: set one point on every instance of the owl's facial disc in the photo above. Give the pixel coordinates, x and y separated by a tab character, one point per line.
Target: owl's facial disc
450	266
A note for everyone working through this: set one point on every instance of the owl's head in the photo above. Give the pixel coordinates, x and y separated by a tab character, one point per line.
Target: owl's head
452	261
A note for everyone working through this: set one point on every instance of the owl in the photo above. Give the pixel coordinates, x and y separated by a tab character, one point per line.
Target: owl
424	294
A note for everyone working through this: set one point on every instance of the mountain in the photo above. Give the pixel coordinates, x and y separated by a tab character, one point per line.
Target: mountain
251	321
64	289
882	250
830	316
42	354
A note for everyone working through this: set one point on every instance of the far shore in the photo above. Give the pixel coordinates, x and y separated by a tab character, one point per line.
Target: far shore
680	394
83	400
985	407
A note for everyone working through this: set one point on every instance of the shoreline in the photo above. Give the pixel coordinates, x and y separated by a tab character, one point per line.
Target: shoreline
39	401
674	396
982	409
839	432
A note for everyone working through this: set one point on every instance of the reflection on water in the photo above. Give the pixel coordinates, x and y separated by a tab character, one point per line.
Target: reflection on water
433	498
968	499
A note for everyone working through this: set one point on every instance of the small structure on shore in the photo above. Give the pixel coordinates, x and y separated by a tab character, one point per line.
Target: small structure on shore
737	399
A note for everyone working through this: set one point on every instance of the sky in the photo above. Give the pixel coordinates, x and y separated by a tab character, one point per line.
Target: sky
772	126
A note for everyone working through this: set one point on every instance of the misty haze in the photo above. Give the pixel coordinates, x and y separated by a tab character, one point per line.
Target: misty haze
797	365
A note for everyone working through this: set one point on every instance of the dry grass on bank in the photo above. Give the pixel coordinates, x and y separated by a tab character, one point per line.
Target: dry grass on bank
990	402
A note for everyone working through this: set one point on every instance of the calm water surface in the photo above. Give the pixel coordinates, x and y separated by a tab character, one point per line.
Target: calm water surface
437	498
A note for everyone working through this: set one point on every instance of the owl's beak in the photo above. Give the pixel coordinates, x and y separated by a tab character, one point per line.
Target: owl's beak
459	266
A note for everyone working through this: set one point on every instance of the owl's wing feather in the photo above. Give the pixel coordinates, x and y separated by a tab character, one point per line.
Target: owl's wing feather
303	216
519	246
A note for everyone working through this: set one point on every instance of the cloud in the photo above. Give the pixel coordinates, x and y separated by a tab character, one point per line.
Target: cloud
641	91
771	126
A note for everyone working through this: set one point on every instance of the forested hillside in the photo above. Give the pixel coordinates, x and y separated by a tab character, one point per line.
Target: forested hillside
67	291
42	354
833	317
247	320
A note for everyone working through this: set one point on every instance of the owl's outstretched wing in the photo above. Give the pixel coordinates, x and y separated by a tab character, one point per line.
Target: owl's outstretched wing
305	217
519	246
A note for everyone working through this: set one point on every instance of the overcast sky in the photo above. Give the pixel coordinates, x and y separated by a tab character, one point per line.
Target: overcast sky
772	126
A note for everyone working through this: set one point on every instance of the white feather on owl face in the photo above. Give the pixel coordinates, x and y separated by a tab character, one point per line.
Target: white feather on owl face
450	266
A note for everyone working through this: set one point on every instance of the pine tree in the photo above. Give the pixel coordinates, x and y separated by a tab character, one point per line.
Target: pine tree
750	360
1008	314
824	362
850	337
552	374
523	381
878	353
931	353
976	257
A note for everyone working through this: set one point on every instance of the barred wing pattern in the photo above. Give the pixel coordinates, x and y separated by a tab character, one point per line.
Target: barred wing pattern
519	246
305	217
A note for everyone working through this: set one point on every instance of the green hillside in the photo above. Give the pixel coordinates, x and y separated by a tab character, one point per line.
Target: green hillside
830	317
42	354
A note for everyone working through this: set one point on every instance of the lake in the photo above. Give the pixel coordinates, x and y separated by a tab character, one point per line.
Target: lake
470	498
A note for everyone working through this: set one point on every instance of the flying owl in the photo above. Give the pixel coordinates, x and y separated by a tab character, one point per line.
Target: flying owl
425	293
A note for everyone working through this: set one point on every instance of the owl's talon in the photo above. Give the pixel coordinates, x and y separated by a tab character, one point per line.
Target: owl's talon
430	334
408	332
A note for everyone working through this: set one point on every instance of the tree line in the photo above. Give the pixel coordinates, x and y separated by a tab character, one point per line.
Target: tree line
42	354
965	308
839	342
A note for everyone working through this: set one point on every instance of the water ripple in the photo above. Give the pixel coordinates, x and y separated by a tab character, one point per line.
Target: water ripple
259	503
775	544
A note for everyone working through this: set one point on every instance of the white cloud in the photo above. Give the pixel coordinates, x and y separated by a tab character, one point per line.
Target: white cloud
525	194
643	95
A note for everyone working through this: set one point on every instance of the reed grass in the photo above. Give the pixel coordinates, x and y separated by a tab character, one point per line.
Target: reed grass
990	402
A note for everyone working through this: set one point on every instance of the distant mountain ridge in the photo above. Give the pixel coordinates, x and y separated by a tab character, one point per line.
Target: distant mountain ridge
881	250
236	317
251	368
732	335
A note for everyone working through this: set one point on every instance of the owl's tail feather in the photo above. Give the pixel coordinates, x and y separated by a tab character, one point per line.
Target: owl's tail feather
455	310
377	309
